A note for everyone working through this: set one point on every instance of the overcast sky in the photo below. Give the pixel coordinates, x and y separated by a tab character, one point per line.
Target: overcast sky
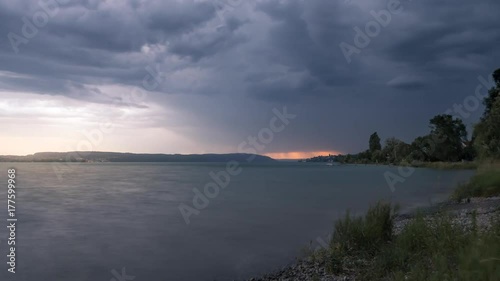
71	70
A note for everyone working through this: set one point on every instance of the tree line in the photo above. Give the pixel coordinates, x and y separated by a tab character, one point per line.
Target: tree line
447	140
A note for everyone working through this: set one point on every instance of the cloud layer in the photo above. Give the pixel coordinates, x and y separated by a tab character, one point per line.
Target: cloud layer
224	65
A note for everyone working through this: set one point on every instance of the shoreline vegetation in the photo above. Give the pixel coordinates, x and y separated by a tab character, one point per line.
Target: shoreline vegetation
466	165
446	146
457	240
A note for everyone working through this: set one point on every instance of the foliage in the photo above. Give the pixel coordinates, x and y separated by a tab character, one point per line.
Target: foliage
446	142
395	150
426	249
450	136
374	142
487	132
360	236
378	157
438	250
485	183
421	149
328	158
446	165
493	94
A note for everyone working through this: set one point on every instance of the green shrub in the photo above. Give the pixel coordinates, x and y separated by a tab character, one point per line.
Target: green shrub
426	249
437	250
485	183
355	237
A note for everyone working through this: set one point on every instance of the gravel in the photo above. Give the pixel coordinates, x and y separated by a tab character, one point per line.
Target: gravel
487	209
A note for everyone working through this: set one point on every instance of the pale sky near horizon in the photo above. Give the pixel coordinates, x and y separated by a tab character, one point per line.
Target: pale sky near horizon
225	65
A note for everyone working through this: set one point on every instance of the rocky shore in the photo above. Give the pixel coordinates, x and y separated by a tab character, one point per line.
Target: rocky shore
485	209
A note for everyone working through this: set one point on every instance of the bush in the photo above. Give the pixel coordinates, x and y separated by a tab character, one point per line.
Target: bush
438	250
356	237
485	183
426	249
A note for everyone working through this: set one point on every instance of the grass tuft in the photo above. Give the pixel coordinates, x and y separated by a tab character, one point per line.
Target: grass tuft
446	165
431	248
426	249
360	237
486	183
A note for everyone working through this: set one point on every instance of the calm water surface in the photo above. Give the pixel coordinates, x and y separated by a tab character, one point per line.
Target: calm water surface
104	217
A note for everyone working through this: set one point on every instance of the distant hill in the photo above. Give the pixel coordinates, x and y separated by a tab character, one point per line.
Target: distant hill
87	156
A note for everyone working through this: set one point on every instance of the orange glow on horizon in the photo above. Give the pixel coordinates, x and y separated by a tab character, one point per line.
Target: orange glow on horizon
300	154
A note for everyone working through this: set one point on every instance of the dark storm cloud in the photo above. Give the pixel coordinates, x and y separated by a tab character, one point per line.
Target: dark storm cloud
233	64
201	45
299	39
51	86
177	17
407	82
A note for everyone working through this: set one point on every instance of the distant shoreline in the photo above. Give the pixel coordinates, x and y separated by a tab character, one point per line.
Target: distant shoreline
94	156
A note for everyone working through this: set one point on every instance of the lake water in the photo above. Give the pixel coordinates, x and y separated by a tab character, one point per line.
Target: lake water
102	218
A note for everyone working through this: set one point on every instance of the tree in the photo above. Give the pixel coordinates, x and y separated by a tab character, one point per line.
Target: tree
348	158
493	94
375	142
421	149
487	132
448	137
378	157
469	151
364	157
395	150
